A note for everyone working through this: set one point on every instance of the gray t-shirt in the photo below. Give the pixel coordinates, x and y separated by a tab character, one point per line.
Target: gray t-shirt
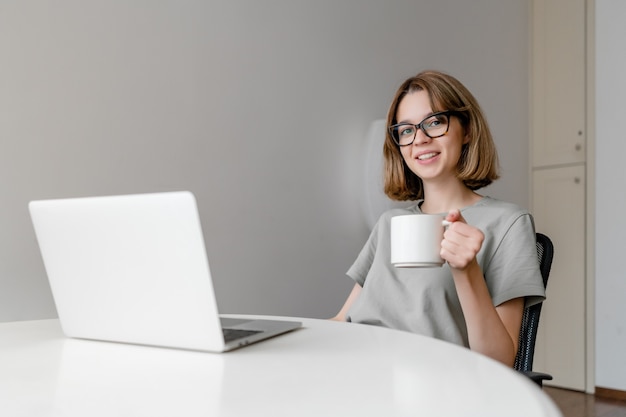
424	300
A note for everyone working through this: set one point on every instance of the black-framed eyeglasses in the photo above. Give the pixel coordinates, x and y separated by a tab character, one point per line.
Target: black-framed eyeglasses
434	126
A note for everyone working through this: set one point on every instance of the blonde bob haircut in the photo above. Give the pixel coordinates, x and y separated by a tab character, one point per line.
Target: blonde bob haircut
478	164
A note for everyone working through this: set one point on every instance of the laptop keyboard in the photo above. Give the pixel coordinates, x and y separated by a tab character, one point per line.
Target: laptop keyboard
234	334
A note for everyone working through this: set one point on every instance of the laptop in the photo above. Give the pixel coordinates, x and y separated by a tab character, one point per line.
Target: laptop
134	269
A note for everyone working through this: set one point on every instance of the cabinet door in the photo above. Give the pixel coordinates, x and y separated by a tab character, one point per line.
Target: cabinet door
559	209
558	82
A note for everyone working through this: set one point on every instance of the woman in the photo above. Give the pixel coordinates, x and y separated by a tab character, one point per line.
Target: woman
438	151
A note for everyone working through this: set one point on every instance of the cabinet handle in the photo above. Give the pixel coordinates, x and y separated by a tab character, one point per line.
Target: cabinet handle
576	180
578	147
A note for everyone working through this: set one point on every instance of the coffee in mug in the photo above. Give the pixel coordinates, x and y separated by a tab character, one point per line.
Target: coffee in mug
416	240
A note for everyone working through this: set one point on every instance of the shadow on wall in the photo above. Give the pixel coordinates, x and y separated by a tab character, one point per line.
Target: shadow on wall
375	201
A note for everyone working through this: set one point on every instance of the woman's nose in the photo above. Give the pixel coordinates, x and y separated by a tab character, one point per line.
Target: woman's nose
421	137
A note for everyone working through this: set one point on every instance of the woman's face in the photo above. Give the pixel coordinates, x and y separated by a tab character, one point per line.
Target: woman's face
433	160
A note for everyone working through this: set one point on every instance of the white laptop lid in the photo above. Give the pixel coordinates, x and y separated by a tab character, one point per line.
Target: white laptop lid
130	269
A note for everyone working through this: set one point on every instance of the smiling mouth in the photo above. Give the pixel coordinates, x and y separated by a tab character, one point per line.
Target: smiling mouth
425	156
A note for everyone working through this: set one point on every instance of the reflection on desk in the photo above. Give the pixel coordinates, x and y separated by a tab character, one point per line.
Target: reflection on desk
324	369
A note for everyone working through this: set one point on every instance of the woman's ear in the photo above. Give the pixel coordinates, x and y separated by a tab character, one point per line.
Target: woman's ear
467	137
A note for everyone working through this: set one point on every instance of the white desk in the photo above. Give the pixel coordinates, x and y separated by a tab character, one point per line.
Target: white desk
323	369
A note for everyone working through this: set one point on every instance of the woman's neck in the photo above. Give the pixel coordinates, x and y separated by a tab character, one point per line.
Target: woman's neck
444	199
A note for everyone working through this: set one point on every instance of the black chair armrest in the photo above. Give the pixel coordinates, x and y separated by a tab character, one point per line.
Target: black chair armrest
537	377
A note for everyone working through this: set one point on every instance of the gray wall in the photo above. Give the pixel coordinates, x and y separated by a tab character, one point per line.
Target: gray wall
261	108
610	194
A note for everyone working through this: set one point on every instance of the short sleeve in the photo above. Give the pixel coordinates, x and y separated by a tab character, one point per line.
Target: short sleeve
361	266
513	270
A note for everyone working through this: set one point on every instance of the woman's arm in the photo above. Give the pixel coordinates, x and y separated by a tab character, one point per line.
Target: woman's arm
354	294
493	331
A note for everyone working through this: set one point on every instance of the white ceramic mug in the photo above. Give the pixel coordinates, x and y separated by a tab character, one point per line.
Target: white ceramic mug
416	240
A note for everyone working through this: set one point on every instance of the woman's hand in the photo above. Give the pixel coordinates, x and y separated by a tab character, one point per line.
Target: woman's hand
461	242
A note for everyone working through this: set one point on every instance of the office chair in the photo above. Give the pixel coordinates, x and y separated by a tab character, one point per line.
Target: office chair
530	319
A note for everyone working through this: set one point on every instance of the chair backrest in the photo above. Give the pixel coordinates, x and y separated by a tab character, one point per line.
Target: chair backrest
530	319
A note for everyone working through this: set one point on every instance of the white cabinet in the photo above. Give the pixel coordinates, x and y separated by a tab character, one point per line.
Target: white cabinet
558	80
559	210
558	163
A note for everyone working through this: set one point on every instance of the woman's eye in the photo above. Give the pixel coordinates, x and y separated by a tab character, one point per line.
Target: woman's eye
433	123
406	130
436	121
